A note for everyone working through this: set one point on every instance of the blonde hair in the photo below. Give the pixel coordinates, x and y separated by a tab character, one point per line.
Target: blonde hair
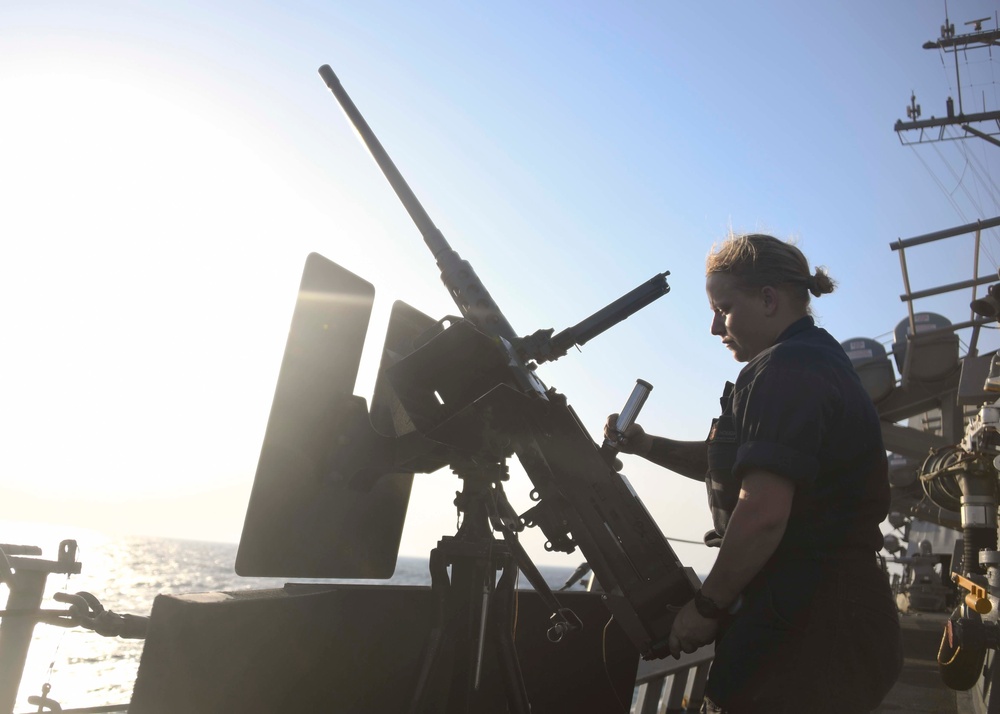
758	260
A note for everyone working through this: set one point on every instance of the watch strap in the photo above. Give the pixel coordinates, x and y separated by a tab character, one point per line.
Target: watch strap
707	607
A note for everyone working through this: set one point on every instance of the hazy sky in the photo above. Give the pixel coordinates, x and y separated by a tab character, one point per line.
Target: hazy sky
165	168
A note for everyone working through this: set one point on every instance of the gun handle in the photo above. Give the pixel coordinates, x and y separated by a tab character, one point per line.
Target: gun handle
634	404
628	414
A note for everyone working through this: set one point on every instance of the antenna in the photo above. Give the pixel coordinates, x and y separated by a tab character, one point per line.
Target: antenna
947	29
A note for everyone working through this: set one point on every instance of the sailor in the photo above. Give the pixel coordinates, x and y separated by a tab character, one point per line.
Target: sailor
801	614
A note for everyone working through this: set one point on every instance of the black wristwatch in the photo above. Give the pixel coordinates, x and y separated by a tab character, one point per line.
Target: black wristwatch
706	607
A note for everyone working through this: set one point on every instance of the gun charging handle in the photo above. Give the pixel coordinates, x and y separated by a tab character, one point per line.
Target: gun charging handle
626	417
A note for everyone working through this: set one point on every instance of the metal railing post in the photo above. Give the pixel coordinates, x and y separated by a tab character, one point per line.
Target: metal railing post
26	590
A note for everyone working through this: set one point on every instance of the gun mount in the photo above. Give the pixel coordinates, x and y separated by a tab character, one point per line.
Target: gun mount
334	476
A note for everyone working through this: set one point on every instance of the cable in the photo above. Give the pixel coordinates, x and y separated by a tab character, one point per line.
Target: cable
958	180
940	185
984	180
604	659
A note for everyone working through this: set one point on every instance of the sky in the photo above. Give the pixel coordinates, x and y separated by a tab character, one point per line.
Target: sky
165	169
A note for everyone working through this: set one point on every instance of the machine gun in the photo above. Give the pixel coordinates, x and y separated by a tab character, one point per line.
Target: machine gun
334	476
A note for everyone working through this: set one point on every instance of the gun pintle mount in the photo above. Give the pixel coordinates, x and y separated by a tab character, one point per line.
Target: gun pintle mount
458	392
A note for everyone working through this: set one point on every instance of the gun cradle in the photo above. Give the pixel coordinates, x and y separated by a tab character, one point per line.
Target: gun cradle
644	582
462	389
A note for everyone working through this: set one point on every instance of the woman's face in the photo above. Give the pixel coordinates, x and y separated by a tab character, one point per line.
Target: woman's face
740	316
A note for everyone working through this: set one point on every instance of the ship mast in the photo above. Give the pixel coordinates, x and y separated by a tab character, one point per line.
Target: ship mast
984	124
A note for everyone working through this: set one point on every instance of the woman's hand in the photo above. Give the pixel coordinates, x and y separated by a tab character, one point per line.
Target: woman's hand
634	440
691	631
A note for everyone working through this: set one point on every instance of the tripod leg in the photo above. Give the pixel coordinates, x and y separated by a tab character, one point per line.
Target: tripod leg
440	586
503	621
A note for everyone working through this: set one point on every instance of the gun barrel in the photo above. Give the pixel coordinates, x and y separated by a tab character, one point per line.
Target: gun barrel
612	314
434	239
467	290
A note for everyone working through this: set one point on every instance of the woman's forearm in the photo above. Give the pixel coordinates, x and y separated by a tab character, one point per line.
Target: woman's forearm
754	531
688	458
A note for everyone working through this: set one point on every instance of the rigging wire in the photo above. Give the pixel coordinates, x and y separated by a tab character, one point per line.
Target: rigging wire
944	69
982	175
958	179
980	165
960	182
940	185
55	659
982	180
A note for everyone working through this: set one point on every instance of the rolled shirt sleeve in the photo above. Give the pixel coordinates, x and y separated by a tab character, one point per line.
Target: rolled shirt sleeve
785	411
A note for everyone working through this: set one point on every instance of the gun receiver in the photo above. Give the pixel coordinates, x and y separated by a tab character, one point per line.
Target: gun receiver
466	395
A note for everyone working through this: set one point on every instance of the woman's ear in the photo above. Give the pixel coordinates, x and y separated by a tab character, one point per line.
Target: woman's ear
769	297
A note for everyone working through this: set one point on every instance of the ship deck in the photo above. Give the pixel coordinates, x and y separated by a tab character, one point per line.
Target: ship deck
919	688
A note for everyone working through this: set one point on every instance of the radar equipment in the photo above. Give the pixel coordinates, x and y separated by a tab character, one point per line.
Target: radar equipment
978	24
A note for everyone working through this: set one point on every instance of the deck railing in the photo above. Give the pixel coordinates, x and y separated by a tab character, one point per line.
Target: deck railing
673	686
665	686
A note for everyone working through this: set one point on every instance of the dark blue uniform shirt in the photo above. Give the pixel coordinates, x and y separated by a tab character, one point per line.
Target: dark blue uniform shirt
817	630
798	410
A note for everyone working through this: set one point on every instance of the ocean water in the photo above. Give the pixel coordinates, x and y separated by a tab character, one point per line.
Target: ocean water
126	573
